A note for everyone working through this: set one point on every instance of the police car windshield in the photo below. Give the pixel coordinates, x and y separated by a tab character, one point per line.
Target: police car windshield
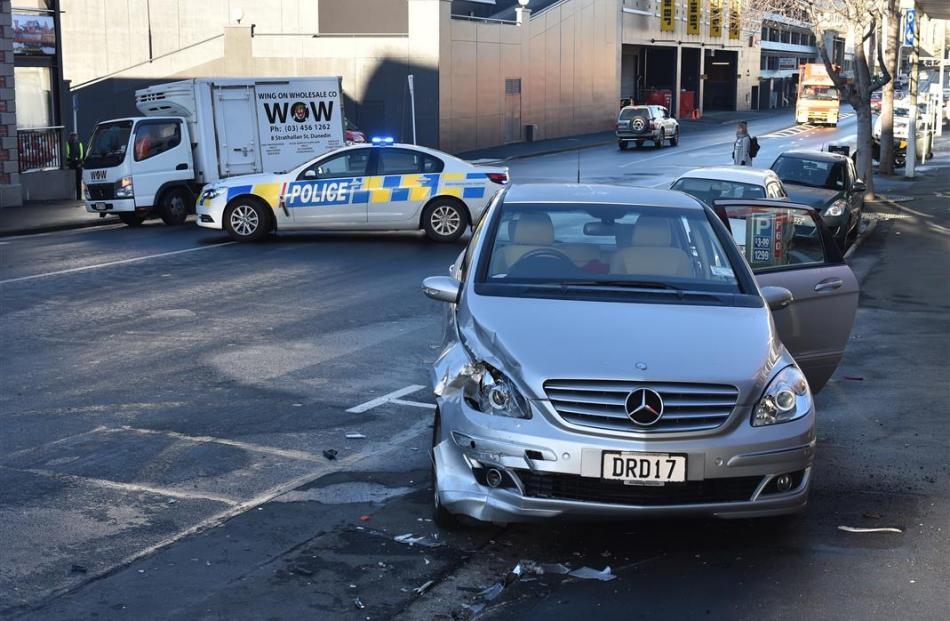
108	145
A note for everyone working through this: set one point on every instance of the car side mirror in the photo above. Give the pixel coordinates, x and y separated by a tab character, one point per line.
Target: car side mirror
310	174
777	297
859	186
443	288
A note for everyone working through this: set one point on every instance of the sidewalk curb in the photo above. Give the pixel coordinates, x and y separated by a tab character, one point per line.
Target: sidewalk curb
53	228
860	240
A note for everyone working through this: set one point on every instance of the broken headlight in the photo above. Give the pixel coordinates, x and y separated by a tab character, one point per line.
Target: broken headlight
787	398
492	392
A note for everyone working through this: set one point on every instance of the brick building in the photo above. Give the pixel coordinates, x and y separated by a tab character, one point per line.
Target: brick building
10	193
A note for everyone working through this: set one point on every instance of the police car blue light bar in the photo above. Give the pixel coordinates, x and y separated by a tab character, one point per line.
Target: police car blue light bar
382	140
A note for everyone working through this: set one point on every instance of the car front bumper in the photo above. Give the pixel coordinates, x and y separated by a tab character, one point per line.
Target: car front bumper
210	212
112	205
551	471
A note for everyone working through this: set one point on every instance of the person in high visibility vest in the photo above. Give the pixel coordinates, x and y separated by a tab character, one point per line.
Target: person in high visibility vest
75	152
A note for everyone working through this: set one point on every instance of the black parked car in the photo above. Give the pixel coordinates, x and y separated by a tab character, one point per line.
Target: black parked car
828	182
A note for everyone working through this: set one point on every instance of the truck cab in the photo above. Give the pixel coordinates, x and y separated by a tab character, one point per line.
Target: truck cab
139	168
818	99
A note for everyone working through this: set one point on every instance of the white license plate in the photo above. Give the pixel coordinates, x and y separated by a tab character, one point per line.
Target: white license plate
644	468
100	206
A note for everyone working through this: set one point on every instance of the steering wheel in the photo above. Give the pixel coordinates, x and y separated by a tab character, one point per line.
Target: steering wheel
543	255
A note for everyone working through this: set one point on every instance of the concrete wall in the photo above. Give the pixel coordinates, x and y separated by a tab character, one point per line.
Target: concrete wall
10	193
374	68
568	60
101	37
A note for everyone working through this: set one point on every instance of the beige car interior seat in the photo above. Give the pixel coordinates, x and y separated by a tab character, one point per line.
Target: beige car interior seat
652	252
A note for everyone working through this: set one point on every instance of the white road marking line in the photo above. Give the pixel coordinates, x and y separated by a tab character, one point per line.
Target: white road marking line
247	446
111	263
378	401
127	487
415	404
390	445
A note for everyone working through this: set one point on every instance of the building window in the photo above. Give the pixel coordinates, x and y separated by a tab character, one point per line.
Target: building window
34	99
512	86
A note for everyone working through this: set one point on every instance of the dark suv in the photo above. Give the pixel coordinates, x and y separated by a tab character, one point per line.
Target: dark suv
639	123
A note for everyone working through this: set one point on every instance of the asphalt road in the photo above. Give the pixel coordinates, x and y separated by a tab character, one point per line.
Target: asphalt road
167	398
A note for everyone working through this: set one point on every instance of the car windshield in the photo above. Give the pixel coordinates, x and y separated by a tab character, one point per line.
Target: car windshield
709	190
820	93
813	173
615	247
108	145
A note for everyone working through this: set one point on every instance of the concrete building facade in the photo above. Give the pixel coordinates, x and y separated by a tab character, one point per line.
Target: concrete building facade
479	79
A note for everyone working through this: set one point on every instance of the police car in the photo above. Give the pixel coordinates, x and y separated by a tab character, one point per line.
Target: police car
377	186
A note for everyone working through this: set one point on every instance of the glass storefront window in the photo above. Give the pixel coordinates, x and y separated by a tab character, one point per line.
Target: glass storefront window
34	100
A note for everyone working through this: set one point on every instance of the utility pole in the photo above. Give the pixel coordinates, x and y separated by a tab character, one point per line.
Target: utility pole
412	105
912	36
943	55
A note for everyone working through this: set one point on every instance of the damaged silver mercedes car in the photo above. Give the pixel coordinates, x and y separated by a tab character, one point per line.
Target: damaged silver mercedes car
616	351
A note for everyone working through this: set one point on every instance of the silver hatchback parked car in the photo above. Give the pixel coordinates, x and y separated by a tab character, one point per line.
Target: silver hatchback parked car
616	351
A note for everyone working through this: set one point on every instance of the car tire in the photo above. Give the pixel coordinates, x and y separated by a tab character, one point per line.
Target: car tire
247	219
622	145
675	140
657	144
132	218
444	220
173	207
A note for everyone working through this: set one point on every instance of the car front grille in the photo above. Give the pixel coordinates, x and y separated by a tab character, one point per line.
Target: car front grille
601	404
587	489
101	191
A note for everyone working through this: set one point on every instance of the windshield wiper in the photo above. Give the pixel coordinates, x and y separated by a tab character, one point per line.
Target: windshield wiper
632	284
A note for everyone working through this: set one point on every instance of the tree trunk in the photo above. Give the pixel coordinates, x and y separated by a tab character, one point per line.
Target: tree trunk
860	100
892	44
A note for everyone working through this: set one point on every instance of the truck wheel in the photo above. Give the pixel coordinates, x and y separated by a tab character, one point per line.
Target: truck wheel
132	218
246	219
444	220
675	140
174	207
622	144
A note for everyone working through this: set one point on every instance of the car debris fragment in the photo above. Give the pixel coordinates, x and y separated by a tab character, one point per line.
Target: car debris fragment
330	454
421	540
589	573
858	529
355	436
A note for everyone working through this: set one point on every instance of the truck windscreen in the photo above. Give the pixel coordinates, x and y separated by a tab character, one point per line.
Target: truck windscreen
820	93
108	145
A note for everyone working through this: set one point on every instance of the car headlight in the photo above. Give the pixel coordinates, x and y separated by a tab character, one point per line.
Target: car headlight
85	192
490	391
123	188
837	208
787	398
211	193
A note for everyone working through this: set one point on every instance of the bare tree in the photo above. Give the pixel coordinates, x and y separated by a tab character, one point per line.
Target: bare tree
855	20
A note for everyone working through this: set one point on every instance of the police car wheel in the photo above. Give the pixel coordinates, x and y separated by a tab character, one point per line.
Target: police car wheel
174	207
444	220
246	220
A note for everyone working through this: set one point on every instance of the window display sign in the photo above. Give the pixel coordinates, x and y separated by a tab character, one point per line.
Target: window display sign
715	19
33	34
693	11
735	20
667	16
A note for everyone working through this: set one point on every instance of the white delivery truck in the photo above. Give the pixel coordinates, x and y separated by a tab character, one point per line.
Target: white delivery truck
198	131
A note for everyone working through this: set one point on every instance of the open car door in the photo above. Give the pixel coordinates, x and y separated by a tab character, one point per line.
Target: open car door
788	246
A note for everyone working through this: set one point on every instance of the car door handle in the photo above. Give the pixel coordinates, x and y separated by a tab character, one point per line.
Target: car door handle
181	167
829	284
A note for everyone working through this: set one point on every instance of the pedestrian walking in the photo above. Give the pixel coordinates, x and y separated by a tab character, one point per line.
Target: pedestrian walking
75	151
742	154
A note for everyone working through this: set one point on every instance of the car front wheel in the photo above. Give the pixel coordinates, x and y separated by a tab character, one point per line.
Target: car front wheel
246	220
658	143
444	220
675	140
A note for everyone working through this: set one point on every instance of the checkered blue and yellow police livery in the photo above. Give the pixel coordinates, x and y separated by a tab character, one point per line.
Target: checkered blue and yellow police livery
375	201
